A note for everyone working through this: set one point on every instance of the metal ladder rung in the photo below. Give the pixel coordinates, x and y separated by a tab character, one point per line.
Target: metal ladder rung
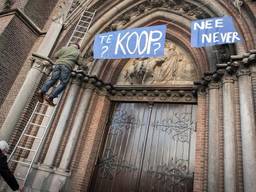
26	148
79	32
37	125
41	114
84	21
87	17
89	12
43	104
21	162
20	178
32	136
84	30
77	37
82	26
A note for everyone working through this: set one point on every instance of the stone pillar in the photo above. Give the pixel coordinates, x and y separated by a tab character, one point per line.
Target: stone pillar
248	129
41	178
229	134
30	84
58	180
95	70
64	117
253	76
90	145
213	153
76	128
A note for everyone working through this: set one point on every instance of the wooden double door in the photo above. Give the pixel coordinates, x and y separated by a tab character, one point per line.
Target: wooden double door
148	148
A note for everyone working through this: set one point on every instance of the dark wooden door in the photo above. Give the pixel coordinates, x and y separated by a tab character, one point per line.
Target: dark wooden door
148	148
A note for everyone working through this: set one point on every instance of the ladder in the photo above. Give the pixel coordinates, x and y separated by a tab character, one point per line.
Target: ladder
32	138
82	27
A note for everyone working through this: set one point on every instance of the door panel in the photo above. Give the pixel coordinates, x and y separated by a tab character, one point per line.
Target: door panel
118	167
148	148
168	153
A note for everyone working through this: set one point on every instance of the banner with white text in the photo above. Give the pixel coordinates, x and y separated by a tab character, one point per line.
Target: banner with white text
213	31
131	43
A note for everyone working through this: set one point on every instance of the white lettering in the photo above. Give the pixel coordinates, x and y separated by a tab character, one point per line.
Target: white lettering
197	25
229	37
152	40
102	38
136	42
219	23
208	24
223	37
109	39
235	37
143	33
207	37
216	37
119	43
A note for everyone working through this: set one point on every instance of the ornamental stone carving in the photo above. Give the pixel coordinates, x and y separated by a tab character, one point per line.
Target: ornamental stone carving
175	68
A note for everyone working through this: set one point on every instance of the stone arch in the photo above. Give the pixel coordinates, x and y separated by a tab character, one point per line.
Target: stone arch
175	32
124	12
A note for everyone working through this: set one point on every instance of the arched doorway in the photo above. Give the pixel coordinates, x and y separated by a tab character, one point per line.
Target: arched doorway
150	139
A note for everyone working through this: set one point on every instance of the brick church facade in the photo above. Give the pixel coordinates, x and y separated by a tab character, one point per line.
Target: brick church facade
186	124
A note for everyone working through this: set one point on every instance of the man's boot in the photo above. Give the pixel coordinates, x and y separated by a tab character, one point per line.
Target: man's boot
40	96
49	100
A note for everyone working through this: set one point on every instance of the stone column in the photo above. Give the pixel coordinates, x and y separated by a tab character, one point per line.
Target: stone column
64	117
213	153
247	129
229	134
90	145
76	128
58	180
40	180
30	84
95	70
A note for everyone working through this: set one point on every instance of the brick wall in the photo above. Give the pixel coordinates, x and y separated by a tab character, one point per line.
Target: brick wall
39	11
239	158
15	43
4	22
199	176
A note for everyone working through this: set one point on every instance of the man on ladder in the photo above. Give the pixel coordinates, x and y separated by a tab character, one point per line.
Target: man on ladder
67	58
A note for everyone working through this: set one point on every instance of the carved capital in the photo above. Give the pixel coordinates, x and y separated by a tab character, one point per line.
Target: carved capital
201	91
228	78
253	69
243	71
41	63
76	78
214	85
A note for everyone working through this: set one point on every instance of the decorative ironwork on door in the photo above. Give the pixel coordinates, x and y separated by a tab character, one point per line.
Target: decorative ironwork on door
148	148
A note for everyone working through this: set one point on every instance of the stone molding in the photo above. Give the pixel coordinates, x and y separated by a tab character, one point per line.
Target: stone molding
25	19
238	65
41	63
186	94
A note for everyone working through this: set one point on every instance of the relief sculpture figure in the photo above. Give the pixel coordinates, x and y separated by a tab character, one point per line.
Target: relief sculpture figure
175	67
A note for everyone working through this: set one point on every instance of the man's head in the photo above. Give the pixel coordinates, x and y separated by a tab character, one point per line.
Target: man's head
76	45
4	147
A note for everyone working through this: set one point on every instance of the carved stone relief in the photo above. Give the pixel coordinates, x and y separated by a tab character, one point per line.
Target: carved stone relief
175	68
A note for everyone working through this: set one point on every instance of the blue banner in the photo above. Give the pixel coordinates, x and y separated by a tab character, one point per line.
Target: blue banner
213	31
131	43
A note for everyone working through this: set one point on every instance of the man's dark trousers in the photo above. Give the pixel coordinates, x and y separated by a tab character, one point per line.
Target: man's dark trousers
60	72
